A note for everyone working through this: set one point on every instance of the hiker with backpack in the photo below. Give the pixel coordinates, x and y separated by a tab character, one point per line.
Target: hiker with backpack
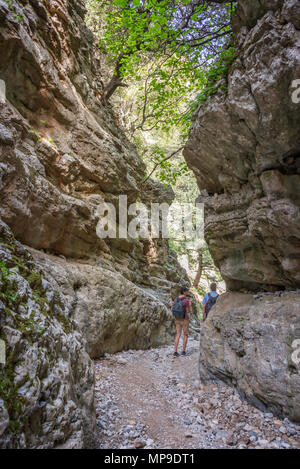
181	309
209	300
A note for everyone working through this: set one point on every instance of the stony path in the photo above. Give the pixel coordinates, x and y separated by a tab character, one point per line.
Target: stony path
150	399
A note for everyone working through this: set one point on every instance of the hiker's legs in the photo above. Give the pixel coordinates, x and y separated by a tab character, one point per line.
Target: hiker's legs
178	333
176	341
185	340
186	334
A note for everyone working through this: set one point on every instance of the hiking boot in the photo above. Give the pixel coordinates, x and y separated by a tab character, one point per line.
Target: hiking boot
175	354
184	354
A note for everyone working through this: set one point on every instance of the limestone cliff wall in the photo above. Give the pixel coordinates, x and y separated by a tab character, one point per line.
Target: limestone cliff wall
61	154
244	149
47	383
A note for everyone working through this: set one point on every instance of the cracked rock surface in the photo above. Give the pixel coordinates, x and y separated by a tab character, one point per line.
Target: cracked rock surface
47	382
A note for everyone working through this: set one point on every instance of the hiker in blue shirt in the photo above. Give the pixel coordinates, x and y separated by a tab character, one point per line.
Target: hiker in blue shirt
209	300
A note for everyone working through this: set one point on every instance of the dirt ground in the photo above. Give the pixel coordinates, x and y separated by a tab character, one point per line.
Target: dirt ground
150	399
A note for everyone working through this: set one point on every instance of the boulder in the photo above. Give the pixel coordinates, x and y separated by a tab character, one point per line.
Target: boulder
250	343
111	312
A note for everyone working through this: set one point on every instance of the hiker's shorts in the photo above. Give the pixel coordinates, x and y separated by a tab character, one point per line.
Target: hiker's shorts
182	324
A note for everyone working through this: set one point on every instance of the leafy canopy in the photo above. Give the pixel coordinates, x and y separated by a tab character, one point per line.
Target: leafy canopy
166	47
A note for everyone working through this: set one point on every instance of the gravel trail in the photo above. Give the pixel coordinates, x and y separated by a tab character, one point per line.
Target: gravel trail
148	399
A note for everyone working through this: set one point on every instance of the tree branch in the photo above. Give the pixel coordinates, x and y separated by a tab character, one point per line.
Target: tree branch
158	164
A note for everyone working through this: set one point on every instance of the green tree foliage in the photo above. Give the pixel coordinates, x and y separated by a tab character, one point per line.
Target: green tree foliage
165	46
164	57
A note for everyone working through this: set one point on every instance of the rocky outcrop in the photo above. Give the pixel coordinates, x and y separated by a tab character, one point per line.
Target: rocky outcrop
113	313
62	153
252	342
244	149
47	382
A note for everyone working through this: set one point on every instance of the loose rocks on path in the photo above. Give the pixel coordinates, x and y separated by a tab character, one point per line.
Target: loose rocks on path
148	399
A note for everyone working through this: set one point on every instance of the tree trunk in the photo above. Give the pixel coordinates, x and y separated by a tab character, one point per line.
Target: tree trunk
116	79
199	271
111	87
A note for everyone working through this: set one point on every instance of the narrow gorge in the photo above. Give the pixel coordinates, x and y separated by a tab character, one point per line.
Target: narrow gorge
82	317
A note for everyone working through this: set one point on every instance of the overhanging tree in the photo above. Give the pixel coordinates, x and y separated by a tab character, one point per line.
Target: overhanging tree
164	57
166	46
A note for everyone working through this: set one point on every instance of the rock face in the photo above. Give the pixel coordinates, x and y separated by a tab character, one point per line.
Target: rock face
62	153
244	149
47	383
113	313
250	342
